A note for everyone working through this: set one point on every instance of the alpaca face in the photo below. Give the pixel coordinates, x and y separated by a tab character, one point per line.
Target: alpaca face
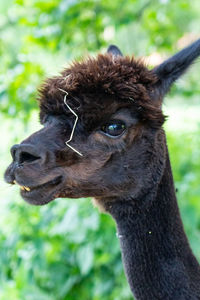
117	148
114	148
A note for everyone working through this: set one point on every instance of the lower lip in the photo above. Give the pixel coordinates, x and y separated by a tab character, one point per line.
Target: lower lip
42	194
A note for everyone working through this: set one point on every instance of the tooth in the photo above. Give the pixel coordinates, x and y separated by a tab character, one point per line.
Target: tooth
22	187
27	188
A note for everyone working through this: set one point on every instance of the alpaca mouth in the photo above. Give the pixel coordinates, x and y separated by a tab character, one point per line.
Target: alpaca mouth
41	194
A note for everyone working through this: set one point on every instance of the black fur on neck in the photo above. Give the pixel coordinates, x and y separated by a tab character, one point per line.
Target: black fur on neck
158	261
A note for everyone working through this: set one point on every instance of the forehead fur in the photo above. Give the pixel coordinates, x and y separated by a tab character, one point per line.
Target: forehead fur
95	82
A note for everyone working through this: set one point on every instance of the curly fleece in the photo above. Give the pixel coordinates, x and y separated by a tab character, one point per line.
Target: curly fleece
124	79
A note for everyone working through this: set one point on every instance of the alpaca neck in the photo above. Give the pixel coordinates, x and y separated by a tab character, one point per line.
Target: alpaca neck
157	258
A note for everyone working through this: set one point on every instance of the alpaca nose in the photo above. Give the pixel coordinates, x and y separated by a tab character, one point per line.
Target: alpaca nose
24	153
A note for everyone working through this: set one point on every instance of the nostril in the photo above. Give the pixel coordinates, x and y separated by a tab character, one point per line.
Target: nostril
25	153
27	157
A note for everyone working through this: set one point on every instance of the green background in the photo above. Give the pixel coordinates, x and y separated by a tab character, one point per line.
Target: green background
67	250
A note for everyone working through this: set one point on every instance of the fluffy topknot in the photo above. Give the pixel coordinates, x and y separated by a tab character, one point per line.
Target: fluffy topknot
96	79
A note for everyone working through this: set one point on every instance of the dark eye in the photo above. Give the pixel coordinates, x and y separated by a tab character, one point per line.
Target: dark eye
114	128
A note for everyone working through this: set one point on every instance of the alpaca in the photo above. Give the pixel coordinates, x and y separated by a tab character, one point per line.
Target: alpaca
103	138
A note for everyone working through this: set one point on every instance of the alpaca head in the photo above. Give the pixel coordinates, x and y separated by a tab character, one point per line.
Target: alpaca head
108	110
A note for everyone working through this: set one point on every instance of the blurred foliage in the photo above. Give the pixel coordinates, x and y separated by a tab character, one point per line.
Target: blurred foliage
67	250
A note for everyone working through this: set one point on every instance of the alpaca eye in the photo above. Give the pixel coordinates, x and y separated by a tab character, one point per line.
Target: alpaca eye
114	128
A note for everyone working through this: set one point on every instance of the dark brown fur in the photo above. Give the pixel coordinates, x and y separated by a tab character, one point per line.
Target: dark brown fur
96	80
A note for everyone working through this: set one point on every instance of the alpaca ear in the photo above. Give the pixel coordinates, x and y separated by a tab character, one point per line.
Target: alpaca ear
114	50
171	69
